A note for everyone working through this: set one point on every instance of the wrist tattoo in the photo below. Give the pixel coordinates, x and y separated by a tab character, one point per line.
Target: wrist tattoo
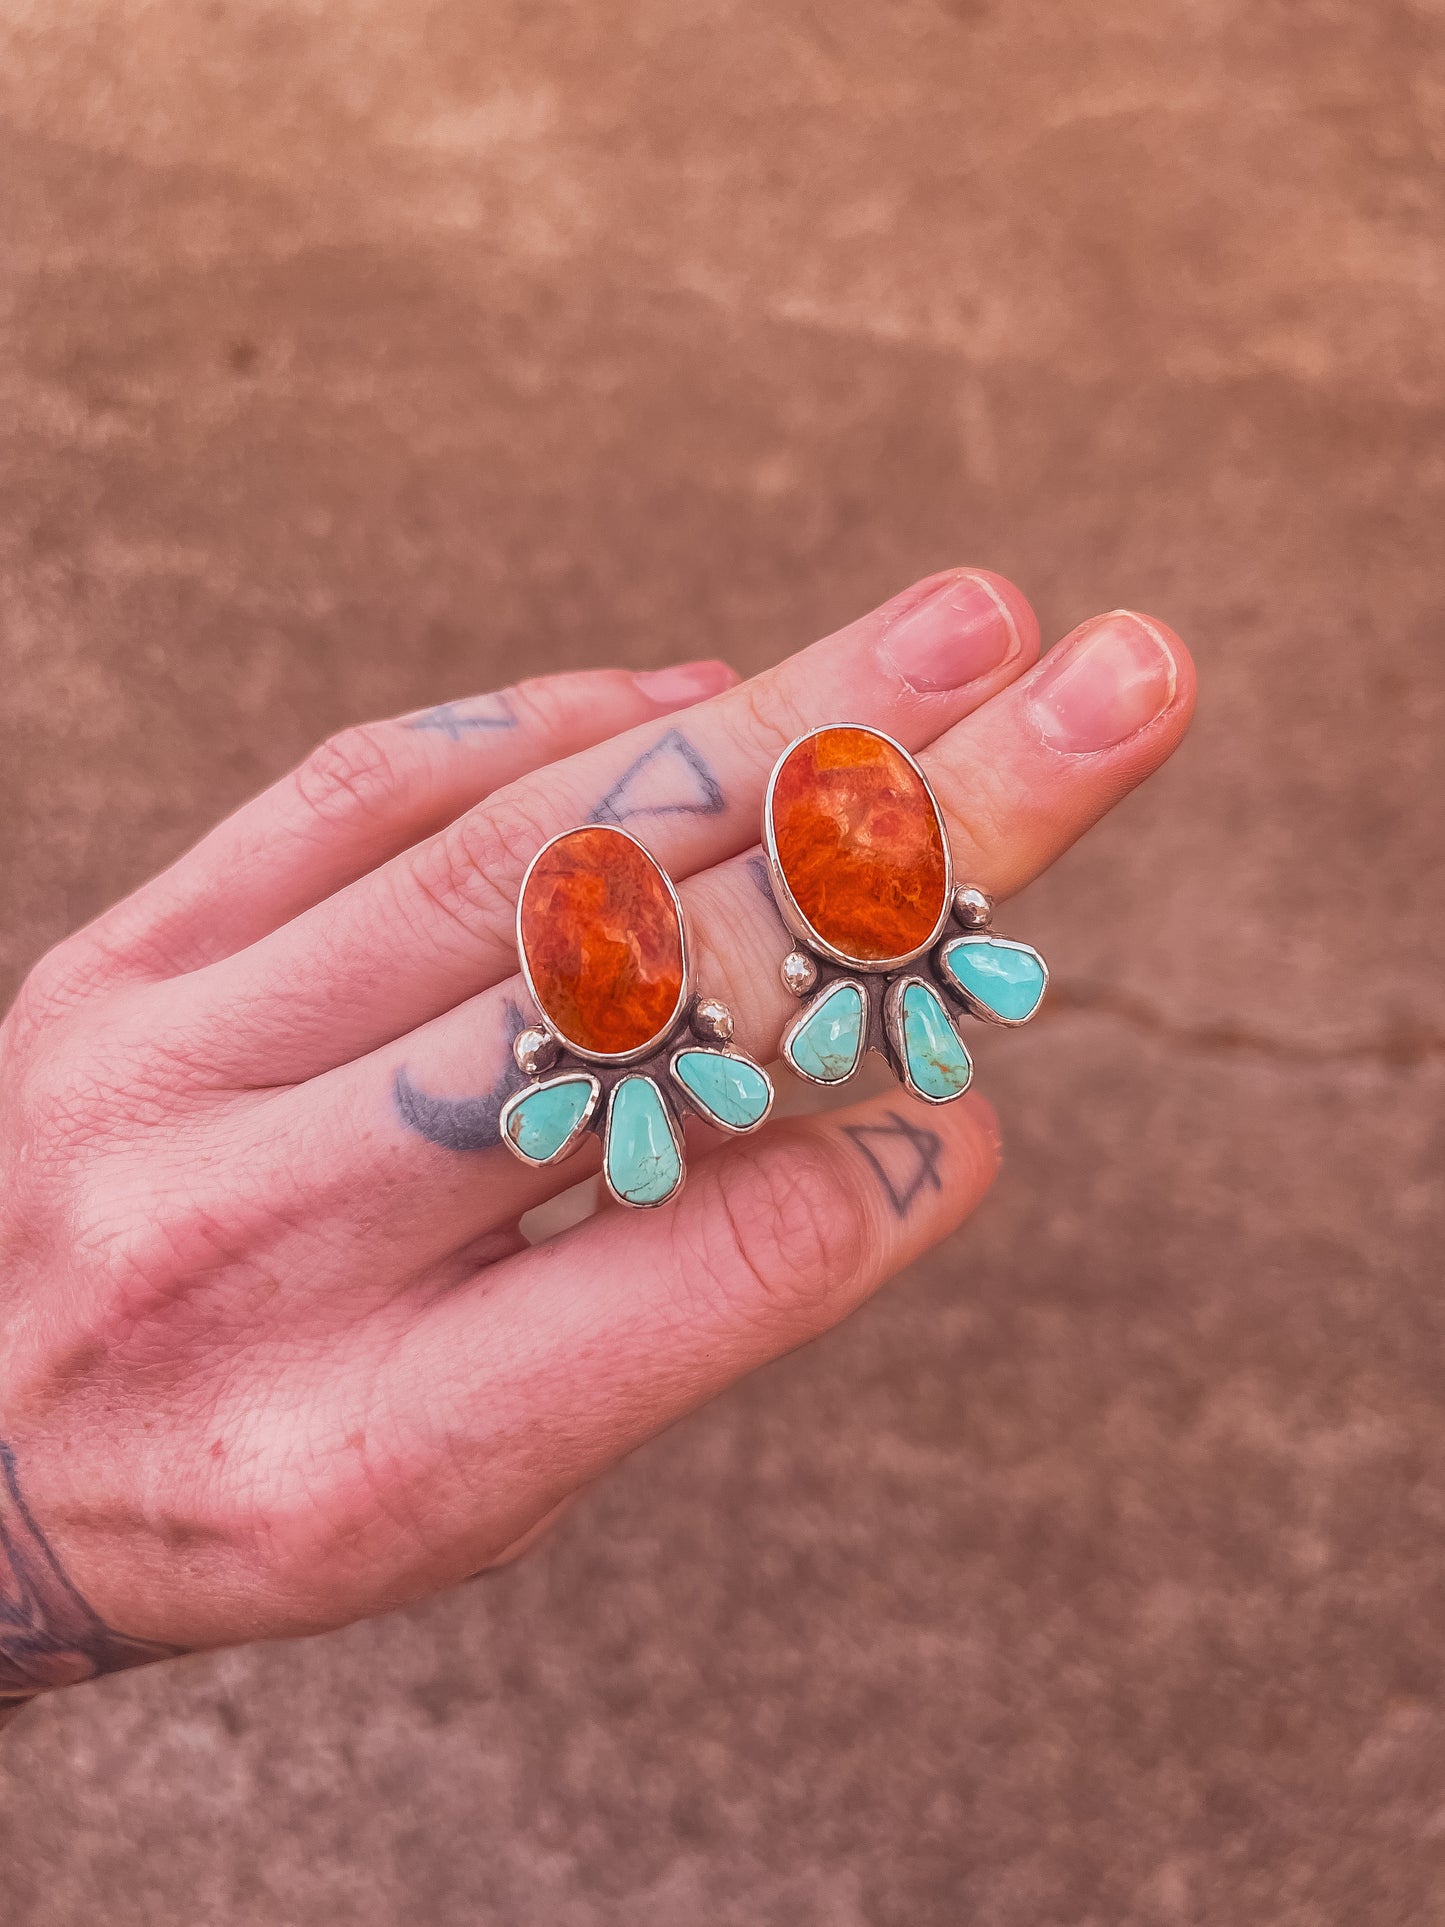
49	1635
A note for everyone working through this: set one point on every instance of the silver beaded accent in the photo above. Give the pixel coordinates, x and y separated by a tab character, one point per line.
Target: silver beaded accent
712	1021
799	972
973	908
535	1050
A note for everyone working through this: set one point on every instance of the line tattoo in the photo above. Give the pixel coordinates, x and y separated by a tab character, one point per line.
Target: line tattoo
758	871
454	721
49	1634
670	779
462	1123
904	1156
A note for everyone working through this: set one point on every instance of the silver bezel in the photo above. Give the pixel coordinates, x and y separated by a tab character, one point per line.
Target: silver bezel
565	1149
974	1005
788	908
818	998
893	1026
685	994
645	1204
695	1103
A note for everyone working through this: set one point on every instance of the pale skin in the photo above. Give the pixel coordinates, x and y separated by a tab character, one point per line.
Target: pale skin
276	1354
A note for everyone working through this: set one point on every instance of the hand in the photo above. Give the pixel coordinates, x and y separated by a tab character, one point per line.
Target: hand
276	1355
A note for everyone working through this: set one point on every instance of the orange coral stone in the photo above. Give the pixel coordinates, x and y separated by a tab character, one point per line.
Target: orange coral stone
860	844
602	940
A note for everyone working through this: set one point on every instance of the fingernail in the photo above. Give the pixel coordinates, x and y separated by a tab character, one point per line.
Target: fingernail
959	633
1106	681
685	682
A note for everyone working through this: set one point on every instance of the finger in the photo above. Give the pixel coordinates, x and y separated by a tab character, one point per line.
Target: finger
1020	780
356	801
1028	776
436	924
495	1403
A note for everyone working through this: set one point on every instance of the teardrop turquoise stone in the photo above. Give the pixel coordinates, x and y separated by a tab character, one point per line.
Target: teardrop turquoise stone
540	1123
640	1154
1007	978
828	1042
937	1061
733	1092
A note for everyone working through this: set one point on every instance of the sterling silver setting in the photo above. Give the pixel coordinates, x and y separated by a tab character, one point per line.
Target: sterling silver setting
553	1063
544	1025
579	1130
814	971
788	908
983	933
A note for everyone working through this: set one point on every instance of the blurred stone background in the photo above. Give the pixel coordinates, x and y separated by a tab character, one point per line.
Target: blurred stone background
357	355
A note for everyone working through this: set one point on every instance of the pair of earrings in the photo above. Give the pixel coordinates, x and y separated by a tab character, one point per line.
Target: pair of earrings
862	875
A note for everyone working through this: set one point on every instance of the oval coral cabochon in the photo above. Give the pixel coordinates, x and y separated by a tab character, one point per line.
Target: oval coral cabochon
601	939
859	841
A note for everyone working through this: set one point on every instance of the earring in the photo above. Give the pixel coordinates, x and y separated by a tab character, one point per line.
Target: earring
623	1049
862	873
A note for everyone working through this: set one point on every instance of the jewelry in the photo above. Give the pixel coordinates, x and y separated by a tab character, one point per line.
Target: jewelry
623	1049
863	876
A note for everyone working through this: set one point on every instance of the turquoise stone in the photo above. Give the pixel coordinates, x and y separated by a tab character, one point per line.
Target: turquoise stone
733	1092
828	1042
937	1061
641	1156
541	1123
1005	978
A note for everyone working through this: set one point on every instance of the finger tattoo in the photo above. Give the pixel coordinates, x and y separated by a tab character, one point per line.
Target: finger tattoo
758	871
906	1158
672	778
455	721
462	1123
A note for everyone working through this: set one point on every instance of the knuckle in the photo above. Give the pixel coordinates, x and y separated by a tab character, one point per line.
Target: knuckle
551	707
353	773
65	1108
55	984
66	977
770	717
104	1076
782	1239
545	704
130	942
472	870
73	1095
167	1271
537	704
